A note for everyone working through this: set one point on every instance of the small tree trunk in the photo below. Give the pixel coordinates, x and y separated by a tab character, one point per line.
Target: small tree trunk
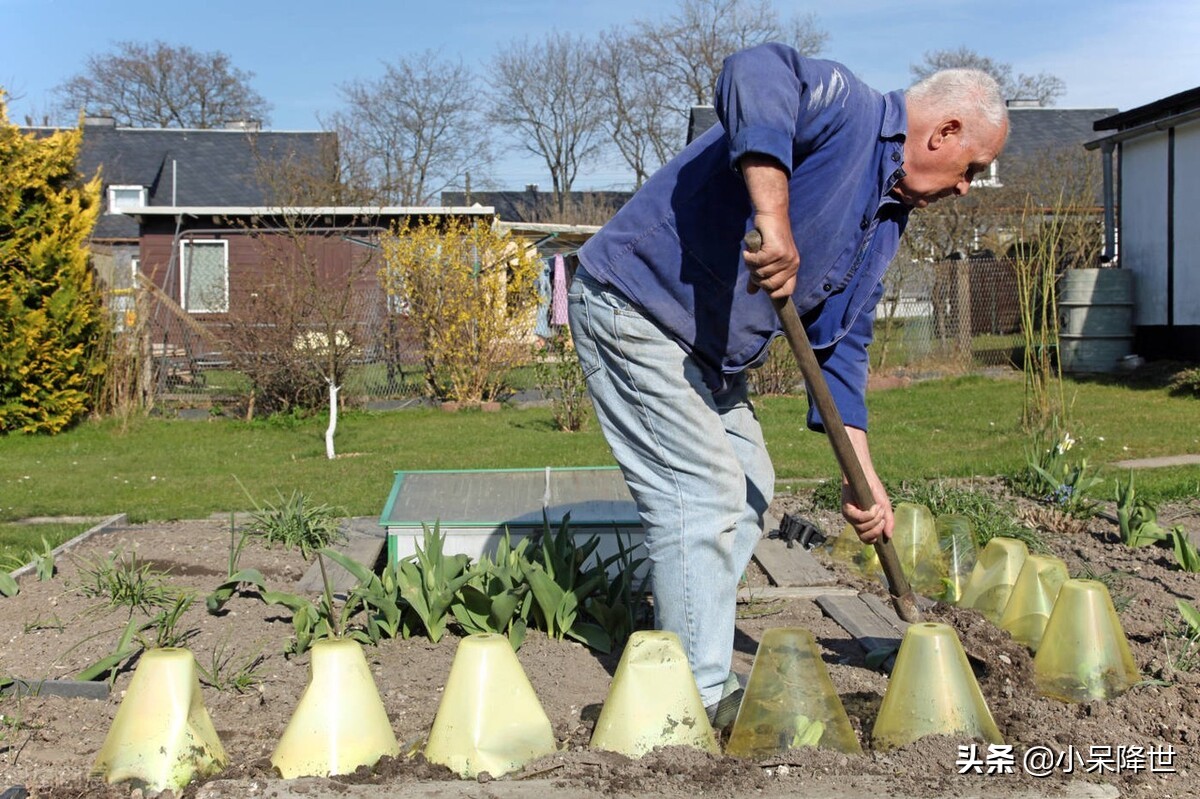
333	392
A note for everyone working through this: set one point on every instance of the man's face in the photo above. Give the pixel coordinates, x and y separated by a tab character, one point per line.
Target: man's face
944	164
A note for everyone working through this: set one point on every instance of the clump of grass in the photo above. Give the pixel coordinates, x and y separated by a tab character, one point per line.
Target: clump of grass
122	580
1186	382
989	517
229	671
827	495
295	522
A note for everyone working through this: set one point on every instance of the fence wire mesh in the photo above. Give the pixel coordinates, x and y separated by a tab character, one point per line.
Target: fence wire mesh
946	316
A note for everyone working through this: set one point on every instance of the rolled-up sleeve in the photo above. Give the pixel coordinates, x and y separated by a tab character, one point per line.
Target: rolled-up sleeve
758	97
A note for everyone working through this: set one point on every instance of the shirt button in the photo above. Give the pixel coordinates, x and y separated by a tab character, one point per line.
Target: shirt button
895	156
827	287
864	224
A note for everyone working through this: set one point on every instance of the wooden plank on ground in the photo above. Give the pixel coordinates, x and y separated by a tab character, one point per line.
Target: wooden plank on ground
792	592
887	612
861	621
789	567
364	549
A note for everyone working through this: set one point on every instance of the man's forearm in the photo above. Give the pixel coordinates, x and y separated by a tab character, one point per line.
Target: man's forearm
774	266
767	183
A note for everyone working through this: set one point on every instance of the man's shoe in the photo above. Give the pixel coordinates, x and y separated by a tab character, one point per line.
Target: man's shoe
722	713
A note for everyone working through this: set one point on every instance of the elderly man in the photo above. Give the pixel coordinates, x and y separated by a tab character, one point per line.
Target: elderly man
668	311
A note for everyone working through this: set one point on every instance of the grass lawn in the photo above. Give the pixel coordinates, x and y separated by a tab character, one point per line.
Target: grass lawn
156	468
17	539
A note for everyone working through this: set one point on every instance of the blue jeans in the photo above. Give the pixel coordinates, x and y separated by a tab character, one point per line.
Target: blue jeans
695	463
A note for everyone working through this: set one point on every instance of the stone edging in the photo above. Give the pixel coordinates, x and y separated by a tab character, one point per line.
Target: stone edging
101	527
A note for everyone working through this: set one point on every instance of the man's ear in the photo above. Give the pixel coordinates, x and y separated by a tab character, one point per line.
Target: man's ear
946	129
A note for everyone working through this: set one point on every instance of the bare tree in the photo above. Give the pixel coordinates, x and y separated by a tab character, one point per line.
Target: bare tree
549	94
160	85
688	48
296	332
416	131
1043	87
654	73
644	130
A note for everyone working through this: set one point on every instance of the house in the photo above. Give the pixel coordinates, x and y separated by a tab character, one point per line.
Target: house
144	168
1040	135
1156	148
203	220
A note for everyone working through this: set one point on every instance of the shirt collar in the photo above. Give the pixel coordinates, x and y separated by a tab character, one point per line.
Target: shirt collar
895	116
893	130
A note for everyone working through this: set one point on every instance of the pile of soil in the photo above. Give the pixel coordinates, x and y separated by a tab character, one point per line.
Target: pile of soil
54	629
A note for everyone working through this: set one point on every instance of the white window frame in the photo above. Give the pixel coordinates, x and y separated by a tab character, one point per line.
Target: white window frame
113	208
184	265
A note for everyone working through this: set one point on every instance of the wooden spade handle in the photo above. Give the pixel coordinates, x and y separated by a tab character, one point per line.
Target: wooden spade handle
903	599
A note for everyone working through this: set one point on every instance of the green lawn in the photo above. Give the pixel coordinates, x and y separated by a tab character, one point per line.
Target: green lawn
165	469
17	539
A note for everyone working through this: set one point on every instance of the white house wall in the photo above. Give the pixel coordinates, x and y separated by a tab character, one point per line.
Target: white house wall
1187	225
1144	224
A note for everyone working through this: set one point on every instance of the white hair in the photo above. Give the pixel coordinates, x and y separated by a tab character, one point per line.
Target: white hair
962	90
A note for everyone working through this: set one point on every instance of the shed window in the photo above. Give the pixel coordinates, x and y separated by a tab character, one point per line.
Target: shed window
205	276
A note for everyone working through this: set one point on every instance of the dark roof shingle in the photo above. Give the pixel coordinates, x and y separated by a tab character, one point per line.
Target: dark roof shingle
181	167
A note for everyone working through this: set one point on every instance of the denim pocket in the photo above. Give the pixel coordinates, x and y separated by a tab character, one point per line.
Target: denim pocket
579	317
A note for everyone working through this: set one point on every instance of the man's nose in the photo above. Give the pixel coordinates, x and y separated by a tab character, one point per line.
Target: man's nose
962	187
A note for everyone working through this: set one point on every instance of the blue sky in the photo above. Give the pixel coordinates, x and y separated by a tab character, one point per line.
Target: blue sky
1109	53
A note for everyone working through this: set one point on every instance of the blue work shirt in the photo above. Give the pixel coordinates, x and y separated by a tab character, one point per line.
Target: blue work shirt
675	249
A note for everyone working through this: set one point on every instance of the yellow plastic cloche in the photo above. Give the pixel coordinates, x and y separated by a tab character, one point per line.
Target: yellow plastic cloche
993	577
489	718
340	722
1032	599
162	736
1084	654
932	691
653	700
790	701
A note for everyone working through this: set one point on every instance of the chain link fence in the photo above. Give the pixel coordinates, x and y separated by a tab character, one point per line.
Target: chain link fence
955	315
935	317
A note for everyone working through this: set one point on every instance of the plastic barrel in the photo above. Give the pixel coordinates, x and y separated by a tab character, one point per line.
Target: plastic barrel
1095	319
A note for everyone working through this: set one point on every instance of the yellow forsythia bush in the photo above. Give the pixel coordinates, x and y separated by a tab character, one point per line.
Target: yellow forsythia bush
470	289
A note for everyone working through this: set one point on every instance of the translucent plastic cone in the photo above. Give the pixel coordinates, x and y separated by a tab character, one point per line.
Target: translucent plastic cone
162	736
339	723
993	577
653	700
790	701
956	537
489	718
1084	653
932	691
915	540
846	548
1032	599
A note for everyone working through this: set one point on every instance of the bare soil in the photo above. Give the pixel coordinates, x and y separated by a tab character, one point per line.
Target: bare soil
53	630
